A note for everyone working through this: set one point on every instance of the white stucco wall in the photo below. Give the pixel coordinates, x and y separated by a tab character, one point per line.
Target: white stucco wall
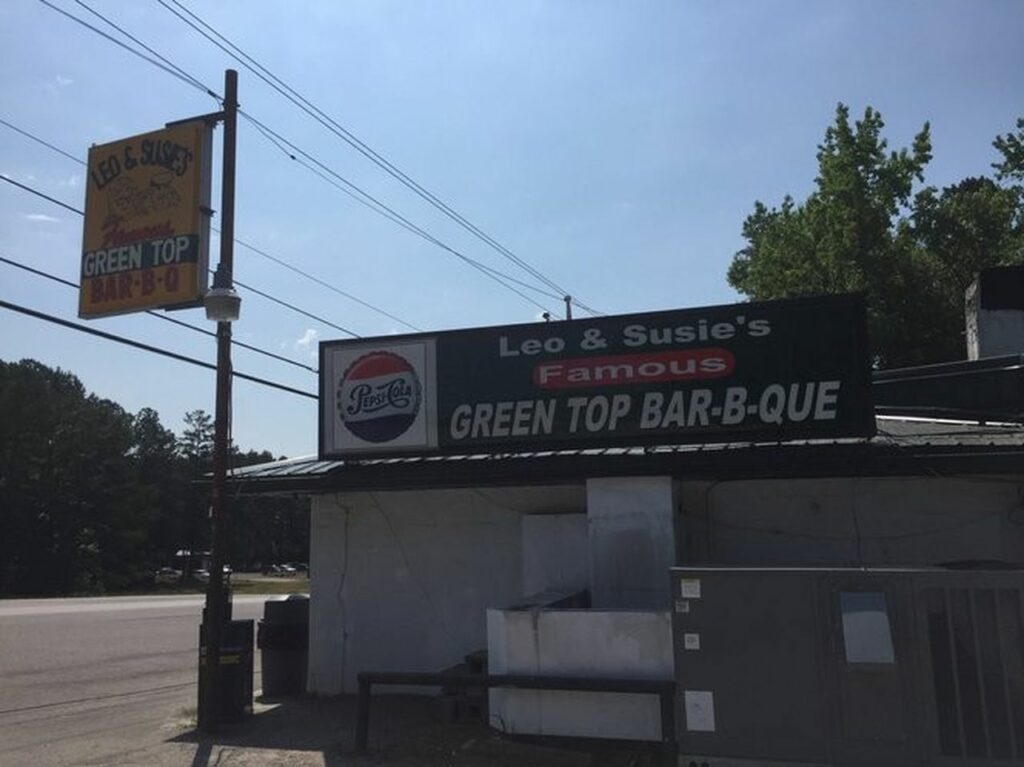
849	521
992	333
594	643
632	541
555	553
400	581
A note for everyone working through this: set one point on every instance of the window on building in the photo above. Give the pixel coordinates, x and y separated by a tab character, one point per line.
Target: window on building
867	635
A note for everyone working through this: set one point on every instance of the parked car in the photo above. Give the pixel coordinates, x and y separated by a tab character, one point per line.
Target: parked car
167	575
203	575
280	570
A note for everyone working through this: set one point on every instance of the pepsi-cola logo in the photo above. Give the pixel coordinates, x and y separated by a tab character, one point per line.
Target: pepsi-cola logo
378	397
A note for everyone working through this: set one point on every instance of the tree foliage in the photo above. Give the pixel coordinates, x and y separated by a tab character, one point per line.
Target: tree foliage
94	499
864	228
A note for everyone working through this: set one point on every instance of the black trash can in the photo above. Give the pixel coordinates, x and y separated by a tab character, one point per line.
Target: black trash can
283	639
236	667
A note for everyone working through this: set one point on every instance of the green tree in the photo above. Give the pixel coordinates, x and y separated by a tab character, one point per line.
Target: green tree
1011	147
74	512
864	229
167	475
268	529
196	446
93	499
196	442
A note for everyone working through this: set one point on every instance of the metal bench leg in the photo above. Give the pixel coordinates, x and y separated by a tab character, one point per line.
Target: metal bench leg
363	716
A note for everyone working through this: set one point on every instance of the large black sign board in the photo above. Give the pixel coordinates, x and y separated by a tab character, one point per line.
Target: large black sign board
744	372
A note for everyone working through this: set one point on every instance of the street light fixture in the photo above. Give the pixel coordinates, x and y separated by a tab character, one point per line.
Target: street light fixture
222	302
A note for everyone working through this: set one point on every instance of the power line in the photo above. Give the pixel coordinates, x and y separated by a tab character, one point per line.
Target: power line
238	241
253	248
294	308
321	282
183	76
47	197
239	283
348	137
371	202
172	69
47	144
164	317
383	210
169	69
193	81
147	347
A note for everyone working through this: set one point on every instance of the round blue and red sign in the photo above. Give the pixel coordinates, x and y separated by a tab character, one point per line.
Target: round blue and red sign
378	397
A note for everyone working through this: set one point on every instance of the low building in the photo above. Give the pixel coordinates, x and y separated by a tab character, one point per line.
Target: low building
418	560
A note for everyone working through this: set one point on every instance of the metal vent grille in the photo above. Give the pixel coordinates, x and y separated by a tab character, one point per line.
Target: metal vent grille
976	639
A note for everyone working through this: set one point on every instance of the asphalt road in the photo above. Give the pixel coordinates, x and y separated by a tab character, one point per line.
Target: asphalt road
88	681
112	682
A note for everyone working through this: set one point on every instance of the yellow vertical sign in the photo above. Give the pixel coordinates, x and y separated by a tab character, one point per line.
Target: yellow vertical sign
146	237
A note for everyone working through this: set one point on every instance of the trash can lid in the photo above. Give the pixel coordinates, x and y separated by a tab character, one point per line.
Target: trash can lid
293	608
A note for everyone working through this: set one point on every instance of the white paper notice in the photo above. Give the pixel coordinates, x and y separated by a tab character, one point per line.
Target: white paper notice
691	641
682	606
700	710
690	588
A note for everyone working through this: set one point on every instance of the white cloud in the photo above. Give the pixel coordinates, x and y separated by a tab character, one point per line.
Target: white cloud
72	180
307	338
63	81
41	217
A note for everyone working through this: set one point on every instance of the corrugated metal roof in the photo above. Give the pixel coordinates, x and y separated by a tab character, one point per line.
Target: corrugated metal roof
892	431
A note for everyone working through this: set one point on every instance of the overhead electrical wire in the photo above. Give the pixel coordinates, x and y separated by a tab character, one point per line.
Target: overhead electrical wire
237	241
148	347
367	200
339	130
159	316
46	197
193	81
38	140
237	282
371	202
167	66
250	63
318	281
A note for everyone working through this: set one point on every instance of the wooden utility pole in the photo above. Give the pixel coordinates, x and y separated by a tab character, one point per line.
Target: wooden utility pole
216	600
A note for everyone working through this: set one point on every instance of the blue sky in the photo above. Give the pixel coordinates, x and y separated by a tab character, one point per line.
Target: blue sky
617	147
